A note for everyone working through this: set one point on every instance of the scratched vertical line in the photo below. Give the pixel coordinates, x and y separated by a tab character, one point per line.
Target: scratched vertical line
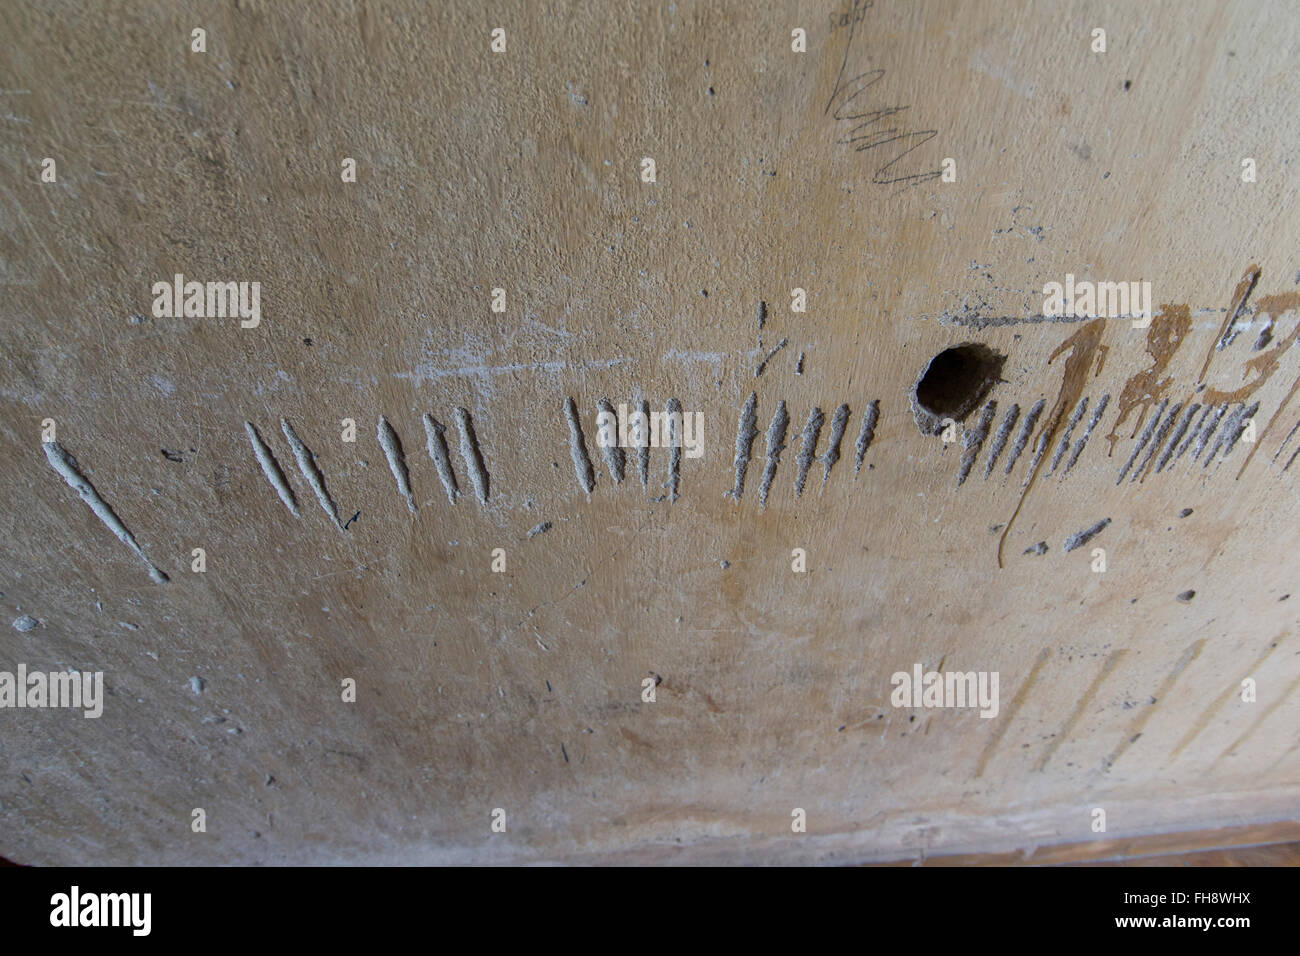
1290	749
675	423
1156	443
615	459
973	441
435	434
1207	430
746	432
1246	417
1000	438
1087	433
272	470
1079	411
311	472
1016	703
1176	438
838	426
869	419
643	445
1026	430
1282	446
472	453
1281	699
1064	733
578	448
1143	441
1135	728
807	449
70	471
391	443
1232	690
775	445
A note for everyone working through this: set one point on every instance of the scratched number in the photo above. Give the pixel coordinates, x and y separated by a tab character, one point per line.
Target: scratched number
857	15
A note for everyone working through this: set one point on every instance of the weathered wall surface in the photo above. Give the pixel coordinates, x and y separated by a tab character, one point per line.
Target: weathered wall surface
522	170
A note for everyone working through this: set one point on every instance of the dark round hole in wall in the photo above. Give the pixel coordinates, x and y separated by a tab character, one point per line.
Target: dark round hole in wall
955	381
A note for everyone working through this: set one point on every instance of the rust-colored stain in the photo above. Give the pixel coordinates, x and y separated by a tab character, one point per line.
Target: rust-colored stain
1146	388
1265	364
635	738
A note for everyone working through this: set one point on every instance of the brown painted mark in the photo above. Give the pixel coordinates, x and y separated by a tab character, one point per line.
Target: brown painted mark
635	738
681	690
1282	303
1232	690
1016	703
1239	296
1135	728
1082	346
1266	364
1102	352
1281	699
1146	388
1064	733
1294	746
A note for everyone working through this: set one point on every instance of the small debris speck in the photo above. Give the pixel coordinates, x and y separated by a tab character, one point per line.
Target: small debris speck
1186	597
25	623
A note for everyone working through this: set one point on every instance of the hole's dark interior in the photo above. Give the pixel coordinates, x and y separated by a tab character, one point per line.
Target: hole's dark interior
957	379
